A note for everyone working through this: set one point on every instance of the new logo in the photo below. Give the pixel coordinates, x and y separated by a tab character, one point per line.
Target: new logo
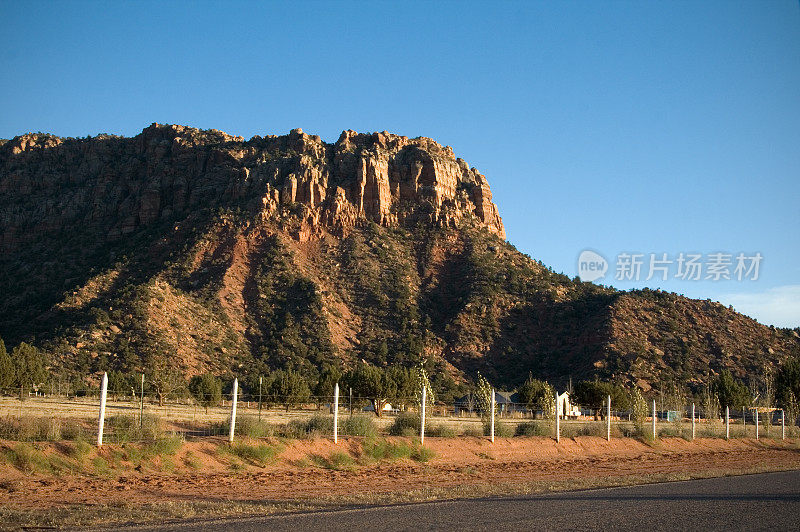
591	266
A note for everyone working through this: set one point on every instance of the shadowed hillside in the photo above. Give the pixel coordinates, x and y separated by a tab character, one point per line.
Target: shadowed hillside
200	251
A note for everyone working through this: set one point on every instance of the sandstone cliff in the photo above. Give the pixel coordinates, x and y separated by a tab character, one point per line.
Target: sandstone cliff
117	185
204	251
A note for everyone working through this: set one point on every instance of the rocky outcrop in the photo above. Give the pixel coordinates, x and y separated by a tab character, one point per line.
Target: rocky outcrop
116	185
220	253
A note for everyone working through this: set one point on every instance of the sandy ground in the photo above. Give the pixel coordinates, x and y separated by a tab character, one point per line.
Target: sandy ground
200	471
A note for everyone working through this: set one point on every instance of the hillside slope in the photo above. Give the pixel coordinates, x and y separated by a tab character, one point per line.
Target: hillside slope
208	252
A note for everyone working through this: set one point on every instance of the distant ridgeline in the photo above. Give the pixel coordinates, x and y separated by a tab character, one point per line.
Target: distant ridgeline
196	251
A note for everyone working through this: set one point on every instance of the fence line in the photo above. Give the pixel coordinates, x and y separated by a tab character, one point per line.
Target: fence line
135	418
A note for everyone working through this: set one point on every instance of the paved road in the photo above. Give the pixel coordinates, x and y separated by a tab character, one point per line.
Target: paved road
753	502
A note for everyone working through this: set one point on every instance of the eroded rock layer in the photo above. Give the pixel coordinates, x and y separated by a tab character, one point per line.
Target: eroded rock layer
120	184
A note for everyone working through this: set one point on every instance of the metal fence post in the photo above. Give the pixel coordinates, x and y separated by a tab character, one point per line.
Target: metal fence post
654	419
744	422
692	421
422	416
491	420
755	412
141	406
260	381
336	413
727	423
233	409
608	419
783	424
558	423
102	419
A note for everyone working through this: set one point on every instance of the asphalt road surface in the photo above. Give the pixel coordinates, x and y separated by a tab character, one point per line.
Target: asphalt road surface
753	502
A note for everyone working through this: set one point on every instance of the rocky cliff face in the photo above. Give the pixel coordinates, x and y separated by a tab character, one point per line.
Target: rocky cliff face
203	251
117	185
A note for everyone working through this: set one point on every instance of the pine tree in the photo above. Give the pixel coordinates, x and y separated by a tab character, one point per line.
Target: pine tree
290	388
29	365
7	372
206	389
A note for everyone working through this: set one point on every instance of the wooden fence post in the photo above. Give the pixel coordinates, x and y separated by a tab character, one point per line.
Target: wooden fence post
102	420
693	432
233	409
336	413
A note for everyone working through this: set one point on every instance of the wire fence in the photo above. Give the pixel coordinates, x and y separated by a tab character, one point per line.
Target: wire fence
38	416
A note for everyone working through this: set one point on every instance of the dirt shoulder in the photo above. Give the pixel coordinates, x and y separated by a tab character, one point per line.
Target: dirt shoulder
61	484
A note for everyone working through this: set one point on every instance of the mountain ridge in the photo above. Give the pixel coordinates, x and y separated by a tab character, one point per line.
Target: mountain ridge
206	252
170	168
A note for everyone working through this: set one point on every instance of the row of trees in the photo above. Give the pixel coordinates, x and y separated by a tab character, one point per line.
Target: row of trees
288	387
724	391
24	367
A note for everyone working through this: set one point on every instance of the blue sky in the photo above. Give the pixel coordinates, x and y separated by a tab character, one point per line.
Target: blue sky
639	127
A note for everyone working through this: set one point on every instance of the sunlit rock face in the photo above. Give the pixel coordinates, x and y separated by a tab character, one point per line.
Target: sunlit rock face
118	185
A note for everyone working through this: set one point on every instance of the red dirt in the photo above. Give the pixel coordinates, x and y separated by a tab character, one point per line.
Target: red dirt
458	463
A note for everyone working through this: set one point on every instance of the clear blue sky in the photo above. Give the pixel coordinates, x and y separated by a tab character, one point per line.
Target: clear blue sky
649	127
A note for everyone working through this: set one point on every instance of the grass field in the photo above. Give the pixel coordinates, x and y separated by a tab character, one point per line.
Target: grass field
194	421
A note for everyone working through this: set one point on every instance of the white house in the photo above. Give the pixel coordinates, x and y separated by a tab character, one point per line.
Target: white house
565	407
387	407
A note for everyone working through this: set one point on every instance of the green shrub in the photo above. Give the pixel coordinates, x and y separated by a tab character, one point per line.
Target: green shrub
52	430
534	428
592	428
338	461
501	430
386	450
32	428
125	428
221	428
422	454
405	424
319	425
73	431
101	467
473	430
165	445
359	426
28	459
630	430
674	429
251	427
259	454
294	430
711	430
80	449
314	427
441	431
